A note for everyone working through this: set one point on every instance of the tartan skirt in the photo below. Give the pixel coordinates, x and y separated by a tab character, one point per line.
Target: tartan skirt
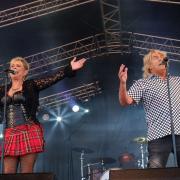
23	139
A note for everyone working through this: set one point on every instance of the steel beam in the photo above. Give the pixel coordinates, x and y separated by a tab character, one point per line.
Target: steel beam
165	1
36	9
82	93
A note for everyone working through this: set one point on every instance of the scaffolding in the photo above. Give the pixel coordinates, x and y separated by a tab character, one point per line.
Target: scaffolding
110	11
113	40
36	9
81	93
142	43
165	1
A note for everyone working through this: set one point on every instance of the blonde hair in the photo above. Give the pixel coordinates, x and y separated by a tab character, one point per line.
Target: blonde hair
147	61
22	60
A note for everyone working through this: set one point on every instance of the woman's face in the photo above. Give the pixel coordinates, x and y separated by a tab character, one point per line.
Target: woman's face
19	68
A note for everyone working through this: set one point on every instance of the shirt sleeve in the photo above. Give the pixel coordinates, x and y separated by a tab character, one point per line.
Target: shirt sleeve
49	80
136	91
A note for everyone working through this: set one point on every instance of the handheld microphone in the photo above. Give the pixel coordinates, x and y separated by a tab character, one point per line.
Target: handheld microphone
164	61
10	71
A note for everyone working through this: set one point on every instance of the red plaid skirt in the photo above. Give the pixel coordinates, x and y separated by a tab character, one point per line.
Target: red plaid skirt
23	139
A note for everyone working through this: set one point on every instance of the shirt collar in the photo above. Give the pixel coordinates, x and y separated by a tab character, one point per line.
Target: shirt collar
153	76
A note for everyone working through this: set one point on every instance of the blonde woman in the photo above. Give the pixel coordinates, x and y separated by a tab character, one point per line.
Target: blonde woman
23	133
152	91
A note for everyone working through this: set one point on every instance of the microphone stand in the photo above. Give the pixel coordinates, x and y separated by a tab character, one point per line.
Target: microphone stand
71	170
70	159
171	117
4	121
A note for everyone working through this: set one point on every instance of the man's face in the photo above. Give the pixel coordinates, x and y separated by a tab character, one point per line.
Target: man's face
156	60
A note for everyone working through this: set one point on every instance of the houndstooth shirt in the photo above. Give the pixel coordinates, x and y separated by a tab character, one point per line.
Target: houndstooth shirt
153	93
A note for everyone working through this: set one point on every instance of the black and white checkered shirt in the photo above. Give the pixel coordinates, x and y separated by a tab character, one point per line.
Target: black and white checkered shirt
153	93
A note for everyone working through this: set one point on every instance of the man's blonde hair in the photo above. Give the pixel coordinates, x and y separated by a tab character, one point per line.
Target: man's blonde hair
147	61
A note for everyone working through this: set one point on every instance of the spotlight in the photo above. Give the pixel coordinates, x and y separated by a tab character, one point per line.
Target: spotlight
59	119
45	117
86	110
1	135
75	108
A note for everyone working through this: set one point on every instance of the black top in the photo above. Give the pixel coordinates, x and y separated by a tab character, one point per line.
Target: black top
17	98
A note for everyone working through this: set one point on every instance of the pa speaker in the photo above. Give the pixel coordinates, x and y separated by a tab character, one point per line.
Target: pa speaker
146	174
27	176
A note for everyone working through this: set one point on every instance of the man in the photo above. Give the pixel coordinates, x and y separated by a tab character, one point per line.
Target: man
152	91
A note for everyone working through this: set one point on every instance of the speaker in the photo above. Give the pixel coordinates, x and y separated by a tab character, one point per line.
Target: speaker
145	174
27	176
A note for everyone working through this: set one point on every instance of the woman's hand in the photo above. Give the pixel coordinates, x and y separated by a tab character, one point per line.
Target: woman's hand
77	64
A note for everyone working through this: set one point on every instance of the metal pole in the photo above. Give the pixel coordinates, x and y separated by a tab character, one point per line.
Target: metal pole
142	156
4	122
82	165
171	117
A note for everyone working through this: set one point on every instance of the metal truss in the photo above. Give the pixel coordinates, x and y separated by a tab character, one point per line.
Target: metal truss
110	10
58	57
143	43
82	93
94	46
36	9
118	41
165	1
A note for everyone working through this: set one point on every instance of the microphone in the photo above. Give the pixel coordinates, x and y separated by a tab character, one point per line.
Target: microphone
10	71
164	61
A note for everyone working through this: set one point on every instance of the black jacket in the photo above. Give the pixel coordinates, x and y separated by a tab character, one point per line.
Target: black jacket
32	87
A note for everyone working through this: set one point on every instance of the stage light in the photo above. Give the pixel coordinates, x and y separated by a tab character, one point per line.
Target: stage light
1	135
59	118
45	117
75	108
86	110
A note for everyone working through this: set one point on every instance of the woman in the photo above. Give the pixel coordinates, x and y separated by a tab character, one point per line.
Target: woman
23	133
